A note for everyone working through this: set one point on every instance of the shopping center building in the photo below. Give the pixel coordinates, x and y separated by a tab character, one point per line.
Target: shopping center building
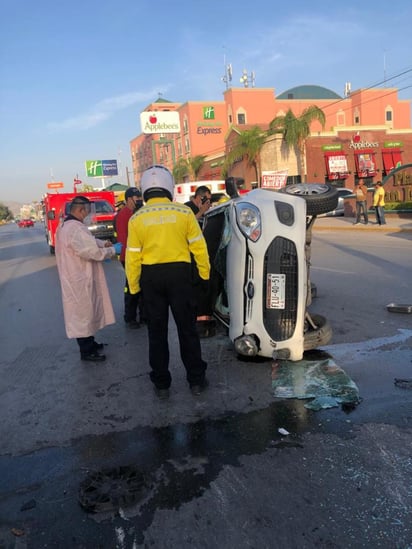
366	134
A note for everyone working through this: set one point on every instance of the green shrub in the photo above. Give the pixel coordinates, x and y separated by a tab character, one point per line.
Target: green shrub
394	206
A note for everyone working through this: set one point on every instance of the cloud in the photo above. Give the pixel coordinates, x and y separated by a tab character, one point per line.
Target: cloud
103	110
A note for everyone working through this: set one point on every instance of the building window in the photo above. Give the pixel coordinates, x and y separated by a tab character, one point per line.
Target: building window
388	114
241	118
336	165
230	118
392	158
185	125
187	145
356	117
365	163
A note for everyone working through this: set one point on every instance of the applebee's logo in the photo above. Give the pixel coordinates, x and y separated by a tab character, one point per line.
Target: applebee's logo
153	125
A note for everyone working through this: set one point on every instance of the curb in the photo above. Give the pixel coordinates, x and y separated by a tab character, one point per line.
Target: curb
378	228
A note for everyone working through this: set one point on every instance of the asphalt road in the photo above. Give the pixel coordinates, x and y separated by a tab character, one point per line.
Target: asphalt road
212	471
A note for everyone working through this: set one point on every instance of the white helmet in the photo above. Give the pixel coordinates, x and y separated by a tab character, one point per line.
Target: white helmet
157	178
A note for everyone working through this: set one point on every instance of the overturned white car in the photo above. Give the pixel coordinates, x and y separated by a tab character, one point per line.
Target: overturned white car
259	247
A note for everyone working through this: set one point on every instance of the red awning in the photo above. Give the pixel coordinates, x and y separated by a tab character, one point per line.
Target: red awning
336	165
392	158
365	163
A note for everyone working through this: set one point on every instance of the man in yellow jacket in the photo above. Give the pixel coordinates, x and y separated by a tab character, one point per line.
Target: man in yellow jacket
379	203
161	237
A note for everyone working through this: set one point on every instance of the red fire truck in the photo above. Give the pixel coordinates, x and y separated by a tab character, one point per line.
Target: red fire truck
56	207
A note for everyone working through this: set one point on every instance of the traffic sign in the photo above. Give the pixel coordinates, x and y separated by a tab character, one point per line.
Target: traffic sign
55	185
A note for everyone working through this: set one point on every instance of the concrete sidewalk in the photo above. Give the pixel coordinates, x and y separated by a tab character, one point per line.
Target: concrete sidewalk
394	223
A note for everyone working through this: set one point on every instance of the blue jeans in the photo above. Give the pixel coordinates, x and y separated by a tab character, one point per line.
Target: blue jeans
380	215
361	208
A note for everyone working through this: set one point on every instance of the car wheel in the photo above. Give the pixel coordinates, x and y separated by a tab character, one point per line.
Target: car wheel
320	197
320	335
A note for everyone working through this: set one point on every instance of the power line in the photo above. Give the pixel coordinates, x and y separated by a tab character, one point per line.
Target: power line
373	86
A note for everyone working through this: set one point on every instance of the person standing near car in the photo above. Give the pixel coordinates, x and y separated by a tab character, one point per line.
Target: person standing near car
86	300
132	302
379	203
200	202
361	192
162	236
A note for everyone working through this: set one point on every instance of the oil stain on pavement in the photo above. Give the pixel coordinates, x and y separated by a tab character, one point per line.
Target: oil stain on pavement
100	479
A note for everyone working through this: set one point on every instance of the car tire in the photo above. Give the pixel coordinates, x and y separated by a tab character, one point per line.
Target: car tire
320	197
314	338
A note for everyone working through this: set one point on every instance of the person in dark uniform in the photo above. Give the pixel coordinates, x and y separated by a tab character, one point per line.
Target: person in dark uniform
133	201
200	202
162	236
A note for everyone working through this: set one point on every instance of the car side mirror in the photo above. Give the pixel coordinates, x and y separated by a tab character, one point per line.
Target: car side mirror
231	187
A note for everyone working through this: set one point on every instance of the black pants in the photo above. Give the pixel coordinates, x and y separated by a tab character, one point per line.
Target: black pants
132	303
87	345
163	286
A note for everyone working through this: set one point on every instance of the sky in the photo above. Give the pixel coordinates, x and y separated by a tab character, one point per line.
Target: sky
74	76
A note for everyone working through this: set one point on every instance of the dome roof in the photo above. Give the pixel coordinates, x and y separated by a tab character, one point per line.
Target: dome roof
308	92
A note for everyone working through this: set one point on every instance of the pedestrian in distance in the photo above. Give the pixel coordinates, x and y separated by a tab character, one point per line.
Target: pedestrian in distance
86	300
162	236
200	202
361	193
379	203
132	302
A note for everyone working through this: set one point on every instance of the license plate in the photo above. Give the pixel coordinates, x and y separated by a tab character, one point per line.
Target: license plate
275	291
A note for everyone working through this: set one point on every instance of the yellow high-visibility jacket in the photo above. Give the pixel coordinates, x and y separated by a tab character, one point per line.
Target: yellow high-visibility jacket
163	232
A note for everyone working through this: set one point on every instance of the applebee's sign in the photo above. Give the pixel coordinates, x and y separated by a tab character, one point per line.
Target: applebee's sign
160	122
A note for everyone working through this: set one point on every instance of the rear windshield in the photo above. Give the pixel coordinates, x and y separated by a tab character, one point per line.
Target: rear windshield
102	207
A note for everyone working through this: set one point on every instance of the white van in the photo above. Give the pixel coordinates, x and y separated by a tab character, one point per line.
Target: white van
184	191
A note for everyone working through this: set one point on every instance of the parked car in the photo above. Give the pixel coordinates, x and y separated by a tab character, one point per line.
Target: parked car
25	223
343	194
259	248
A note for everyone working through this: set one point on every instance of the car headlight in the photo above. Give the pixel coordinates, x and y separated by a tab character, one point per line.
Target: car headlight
248	220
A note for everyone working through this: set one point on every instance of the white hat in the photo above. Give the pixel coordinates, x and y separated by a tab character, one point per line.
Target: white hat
157	178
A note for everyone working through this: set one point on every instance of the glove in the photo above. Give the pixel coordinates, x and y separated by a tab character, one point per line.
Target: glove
118	247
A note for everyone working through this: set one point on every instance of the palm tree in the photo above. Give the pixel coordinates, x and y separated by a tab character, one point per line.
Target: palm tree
296	130
188	167
195	164
248	144
180	170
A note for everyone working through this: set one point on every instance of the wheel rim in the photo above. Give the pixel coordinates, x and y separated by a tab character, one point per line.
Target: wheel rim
307	189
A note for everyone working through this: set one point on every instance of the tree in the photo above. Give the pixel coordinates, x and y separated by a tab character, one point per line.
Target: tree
296	130
5	213
247	145
180	170
195	165
188	167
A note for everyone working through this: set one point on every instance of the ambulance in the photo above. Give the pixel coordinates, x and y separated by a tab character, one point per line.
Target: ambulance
185	191
100	222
